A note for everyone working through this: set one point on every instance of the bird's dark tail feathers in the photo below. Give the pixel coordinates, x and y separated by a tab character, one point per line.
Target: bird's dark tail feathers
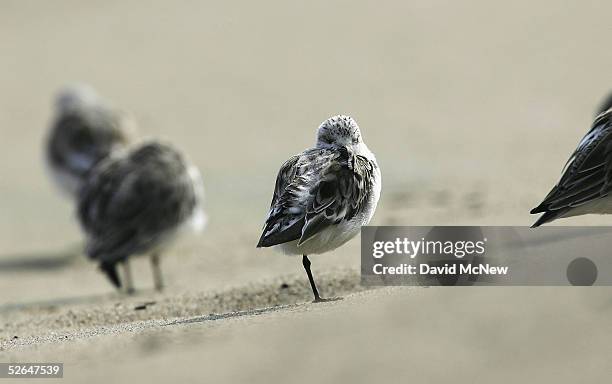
547	217
110	270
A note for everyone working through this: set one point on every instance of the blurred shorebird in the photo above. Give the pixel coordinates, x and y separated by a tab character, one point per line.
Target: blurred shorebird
586	180
323	195
136	202
84	131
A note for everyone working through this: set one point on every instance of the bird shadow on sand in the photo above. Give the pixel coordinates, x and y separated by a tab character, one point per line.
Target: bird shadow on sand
58	303
235	314
40	261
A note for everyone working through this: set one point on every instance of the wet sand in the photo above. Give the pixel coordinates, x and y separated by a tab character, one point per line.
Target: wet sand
472	108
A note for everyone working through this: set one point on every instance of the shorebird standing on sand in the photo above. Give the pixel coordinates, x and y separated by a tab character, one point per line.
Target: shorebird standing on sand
323	195
85	130
136	202
586	180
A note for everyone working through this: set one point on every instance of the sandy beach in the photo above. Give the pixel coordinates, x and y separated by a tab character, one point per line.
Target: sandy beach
471	108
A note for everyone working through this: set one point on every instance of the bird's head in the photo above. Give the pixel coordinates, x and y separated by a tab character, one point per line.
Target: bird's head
339	131
75	96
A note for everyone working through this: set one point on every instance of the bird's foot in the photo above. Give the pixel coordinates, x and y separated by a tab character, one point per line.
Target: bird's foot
322	300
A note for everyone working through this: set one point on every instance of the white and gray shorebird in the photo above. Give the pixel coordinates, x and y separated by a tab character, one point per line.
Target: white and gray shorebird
323	195
586	180
135	202
84	131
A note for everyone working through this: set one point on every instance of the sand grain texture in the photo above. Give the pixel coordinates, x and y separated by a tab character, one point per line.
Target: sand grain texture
472	108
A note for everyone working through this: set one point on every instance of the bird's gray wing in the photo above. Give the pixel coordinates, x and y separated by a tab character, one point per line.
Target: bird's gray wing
326	188
341	193
128	204
284	222
587	174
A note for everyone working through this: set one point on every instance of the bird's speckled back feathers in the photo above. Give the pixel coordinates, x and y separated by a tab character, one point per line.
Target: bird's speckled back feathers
131	202
314	190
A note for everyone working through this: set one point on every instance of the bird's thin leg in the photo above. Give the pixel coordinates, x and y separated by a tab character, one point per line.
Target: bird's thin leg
157	275
129	283
315	292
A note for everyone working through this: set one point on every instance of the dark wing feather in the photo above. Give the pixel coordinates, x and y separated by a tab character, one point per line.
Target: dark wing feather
587	174
129	204
326	187
280	226
341	193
